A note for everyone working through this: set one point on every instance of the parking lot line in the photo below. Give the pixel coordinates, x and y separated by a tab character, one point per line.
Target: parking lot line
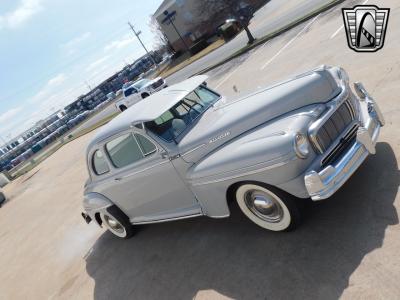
341	27
336	32
289	43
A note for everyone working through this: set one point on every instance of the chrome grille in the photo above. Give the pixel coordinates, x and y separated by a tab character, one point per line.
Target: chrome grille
335	126
344	143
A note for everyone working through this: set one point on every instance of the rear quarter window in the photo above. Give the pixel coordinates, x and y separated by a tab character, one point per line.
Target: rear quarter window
124	150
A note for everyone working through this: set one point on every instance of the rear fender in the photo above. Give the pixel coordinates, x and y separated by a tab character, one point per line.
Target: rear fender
95	203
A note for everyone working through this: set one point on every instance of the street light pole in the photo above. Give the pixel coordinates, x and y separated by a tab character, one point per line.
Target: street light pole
137	33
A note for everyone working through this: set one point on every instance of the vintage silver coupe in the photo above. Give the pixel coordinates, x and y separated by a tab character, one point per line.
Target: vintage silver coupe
186	151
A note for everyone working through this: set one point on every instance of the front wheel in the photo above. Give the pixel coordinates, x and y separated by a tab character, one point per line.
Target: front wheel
269	207
117	222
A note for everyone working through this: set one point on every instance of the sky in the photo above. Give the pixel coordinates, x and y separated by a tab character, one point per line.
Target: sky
50	51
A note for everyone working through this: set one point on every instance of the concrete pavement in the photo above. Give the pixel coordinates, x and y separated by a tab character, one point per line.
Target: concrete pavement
347	248
275	14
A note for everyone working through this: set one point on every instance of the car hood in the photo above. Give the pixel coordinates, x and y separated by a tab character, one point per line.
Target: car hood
147	85
229	118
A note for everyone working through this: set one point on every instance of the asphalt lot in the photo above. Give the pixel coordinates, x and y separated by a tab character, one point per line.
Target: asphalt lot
348	246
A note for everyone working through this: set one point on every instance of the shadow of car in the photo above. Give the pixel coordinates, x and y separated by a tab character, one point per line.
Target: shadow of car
234	258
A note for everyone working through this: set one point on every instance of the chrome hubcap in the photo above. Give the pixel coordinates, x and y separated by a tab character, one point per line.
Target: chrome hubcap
114	224
264	205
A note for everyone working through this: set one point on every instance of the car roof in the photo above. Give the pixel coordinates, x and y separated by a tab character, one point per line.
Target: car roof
148	109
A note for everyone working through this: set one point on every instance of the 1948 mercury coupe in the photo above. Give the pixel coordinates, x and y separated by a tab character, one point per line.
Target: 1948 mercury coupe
186	150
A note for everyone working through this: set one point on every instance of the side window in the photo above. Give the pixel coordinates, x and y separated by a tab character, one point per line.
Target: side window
100	165
147	146
124	151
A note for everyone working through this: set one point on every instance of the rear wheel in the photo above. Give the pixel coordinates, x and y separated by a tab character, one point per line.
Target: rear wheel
122	108
117	222
269	207
145	95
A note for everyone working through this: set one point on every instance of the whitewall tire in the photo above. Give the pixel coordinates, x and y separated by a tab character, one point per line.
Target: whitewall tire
117	222
268	207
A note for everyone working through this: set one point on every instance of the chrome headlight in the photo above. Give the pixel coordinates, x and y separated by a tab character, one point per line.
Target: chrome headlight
301	146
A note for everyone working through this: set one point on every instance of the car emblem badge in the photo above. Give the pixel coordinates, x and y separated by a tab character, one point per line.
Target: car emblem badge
366	27
220	137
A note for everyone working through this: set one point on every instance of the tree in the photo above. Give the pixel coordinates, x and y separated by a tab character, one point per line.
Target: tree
161	42
211	10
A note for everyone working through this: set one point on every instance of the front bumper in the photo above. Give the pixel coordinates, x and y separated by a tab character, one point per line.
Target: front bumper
324	183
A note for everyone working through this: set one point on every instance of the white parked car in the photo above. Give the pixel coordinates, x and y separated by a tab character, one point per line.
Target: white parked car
111	96
139	90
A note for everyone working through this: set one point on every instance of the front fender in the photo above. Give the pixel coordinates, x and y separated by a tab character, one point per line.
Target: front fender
265	154
263	148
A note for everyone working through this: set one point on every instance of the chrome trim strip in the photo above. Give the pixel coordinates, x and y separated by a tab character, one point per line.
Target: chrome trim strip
350	108
276	165
168	220
192	150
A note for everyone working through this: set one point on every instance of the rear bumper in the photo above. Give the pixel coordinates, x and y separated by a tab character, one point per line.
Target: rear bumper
324	183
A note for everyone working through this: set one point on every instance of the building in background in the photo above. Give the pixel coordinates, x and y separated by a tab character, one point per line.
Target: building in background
191	23
44	132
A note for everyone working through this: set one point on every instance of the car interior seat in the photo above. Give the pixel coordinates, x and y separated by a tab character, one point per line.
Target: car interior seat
178	125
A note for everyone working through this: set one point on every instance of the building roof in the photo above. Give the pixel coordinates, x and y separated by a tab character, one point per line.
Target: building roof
150	108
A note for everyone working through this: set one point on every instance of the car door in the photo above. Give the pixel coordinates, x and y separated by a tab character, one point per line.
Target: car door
145	184
134	98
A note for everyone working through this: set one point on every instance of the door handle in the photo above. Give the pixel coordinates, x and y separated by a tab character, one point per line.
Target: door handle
118	179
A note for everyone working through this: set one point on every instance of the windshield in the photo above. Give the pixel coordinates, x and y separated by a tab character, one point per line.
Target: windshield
141	83
174	122
129	91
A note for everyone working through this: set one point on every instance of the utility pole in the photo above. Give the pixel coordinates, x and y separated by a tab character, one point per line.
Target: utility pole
137	33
